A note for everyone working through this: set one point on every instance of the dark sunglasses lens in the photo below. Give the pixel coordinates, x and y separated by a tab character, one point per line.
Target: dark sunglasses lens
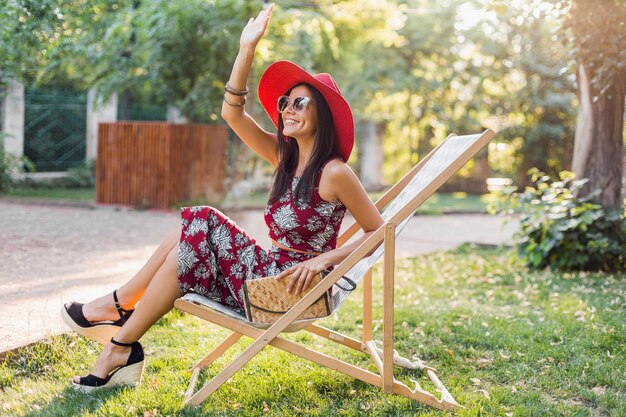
300	103
283	102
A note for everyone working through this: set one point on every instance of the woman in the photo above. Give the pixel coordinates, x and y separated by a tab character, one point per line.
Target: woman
211	255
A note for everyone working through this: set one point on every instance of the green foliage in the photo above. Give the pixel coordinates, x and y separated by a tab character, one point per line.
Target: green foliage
563	231
595	35
27	28
6	165
420	69
82	176
186	51
540	93
11	164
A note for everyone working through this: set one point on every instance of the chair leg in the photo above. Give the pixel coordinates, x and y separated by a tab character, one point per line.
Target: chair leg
218	351
367	306
447	402
388	307
404	362
207	360
268	335
336	337
446	397
192	385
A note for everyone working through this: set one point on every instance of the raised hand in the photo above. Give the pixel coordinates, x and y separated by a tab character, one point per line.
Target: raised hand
255	28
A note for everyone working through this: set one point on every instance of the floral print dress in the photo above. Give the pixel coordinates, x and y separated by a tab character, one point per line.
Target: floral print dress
216	256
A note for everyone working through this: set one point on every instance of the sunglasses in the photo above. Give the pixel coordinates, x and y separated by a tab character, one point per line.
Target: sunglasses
298	105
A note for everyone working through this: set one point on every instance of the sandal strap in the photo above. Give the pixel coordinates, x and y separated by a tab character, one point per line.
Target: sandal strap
136	353
115	342
120	310
92	381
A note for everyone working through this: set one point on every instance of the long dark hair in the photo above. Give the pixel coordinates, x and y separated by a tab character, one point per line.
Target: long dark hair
324	149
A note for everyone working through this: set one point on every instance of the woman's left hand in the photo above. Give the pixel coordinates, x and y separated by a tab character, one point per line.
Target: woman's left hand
303	273
255	29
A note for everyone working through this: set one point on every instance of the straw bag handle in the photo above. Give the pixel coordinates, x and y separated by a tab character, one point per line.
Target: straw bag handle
351	283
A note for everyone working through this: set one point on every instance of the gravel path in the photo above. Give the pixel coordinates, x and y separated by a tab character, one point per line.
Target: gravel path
50	255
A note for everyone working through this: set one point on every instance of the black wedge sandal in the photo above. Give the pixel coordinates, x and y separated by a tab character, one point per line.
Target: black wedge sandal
101	331
123	375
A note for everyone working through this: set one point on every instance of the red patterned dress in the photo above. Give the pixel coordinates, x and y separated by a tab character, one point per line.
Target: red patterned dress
216	256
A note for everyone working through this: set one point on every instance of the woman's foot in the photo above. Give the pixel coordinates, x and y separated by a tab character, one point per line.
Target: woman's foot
99	320
101	309
118	364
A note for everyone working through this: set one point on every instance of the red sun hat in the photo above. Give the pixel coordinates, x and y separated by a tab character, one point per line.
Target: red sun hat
282	75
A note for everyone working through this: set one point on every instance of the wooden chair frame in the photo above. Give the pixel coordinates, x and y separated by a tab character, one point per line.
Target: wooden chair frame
385	358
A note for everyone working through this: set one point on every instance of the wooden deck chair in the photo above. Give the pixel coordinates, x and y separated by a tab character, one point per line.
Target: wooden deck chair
397	206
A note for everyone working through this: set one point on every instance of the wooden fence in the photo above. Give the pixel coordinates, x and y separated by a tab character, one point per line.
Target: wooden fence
156	164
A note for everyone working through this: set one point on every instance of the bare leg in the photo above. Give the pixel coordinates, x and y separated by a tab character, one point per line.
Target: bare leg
131	292
157	300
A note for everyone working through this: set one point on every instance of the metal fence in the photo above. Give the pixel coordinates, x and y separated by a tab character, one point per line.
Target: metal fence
55	124
141	113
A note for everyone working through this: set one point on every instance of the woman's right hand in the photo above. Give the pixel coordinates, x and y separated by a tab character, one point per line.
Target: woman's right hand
254	30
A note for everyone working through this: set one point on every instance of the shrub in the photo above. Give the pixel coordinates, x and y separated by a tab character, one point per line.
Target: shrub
564	231
8	164
82	176
5	177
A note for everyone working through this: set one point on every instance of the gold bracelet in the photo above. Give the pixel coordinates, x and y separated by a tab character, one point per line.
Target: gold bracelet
231	90
234	104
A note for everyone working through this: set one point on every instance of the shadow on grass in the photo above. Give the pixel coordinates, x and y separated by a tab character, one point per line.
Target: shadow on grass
71	402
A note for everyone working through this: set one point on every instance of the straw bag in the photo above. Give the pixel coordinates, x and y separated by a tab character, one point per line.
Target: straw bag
266	299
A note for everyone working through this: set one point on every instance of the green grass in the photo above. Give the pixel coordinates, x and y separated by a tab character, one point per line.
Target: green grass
438	203
506	342
81	194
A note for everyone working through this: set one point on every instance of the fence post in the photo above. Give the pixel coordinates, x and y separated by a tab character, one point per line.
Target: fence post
98	112
13	118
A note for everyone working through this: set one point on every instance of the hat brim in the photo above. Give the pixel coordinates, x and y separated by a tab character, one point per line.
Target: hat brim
282	75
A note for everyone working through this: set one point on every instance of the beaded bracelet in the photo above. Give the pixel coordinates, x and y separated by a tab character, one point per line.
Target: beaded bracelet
231	90
234	104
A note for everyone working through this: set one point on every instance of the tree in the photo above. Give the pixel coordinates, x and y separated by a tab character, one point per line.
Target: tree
400	80
539	94
597	35
362	70
26	28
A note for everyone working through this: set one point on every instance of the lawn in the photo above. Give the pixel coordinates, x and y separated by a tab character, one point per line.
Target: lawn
438	203
506	342
80	194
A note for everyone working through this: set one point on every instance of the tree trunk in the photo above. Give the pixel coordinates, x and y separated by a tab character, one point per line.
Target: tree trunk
2	93
424	146
598	145
533	156
125	99
124	105
371	155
